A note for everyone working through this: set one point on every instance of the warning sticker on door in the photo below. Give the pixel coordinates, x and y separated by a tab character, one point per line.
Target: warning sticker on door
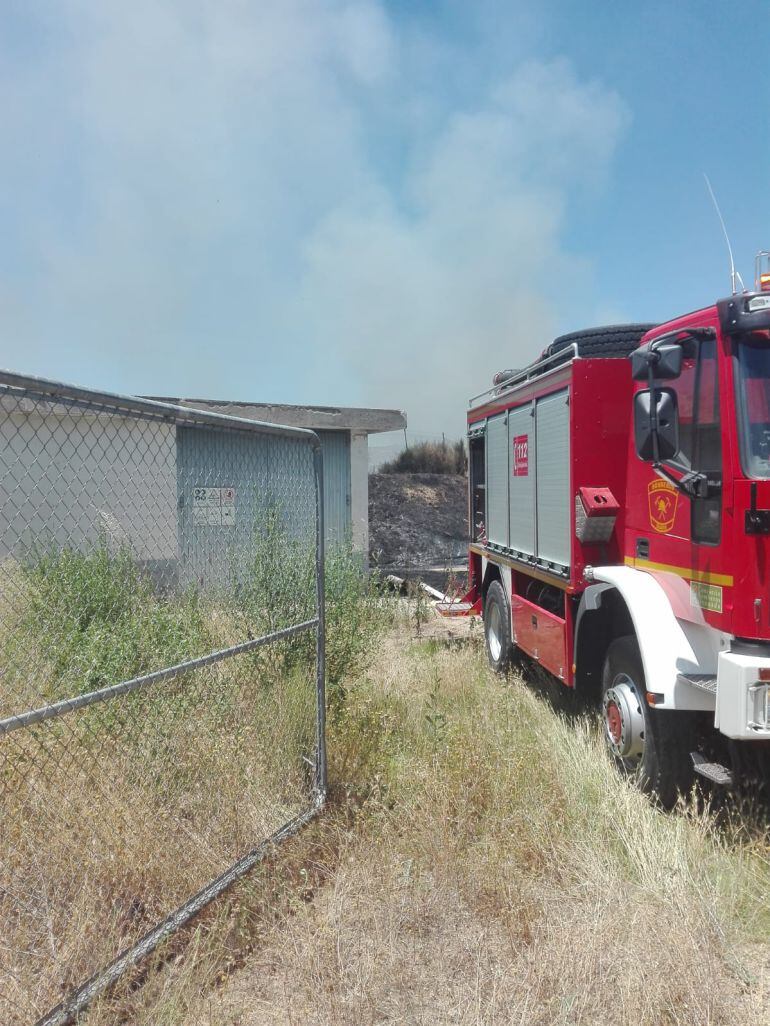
207	497
706	596
213	507
520	455
207	516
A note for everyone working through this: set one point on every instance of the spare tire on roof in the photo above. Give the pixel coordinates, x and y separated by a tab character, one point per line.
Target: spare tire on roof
614	340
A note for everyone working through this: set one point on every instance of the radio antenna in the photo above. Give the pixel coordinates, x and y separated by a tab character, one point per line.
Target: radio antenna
734	276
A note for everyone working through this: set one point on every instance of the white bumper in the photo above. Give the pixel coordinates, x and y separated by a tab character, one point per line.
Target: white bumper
743	701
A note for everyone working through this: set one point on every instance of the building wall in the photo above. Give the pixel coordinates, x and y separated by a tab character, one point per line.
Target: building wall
356	424
359	492
71	479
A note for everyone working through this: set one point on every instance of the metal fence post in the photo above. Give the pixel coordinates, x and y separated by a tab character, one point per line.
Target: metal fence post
321	781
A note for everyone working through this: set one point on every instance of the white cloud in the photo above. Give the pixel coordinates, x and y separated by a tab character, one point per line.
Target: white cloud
425	304
271	200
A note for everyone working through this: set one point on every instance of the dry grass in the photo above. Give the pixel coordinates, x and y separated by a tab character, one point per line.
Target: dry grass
481	864
110	823
113	815
429	458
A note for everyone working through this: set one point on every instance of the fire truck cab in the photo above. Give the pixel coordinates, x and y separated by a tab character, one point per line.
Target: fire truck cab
620	532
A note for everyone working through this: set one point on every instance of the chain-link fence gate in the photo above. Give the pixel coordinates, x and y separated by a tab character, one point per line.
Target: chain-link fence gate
161	674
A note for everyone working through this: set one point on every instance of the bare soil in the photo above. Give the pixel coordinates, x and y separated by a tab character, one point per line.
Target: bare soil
417	521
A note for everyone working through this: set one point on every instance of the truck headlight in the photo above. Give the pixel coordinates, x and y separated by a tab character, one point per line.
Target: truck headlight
759	706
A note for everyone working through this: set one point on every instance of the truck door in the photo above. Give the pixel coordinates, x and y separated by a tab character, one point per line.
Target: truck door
672	533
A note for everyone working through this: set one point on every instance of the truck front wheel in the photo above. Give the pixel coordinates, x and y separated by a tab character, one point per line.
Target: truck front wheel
497	628
652	745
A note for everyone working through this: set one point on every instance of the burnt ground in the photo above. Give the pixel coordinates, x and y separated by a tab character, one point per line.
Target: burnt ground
418	522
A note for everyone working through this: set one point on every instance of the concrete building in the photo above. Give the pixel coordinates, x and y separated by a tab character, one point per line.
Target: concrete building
344	432
70	474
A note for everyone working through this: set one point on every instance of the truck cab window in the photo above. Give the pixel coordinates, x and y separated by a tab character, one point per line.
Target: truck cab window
753	401
700	434
707	446
684	387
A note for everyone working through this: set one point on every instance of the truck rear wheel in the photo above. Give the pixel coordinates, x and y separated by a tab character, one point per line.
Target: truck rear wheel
652	745
497	628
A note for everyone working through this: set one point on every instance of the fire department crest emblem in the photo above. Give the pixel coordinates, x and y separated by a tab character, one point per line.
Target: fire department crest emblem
662	498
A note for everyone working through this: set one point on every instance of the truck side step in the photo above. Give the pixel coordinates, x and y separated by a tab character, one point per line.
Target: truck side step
713	771
457	608
704	681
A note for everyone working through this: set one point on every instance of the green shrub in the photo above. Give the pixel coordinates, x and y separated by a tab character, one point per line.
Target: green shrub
356	615
280	590
429	458
277	587
95	620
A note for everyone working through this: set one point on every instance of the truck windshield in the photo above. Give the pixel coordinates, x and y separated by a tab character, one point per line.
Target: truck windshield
753	402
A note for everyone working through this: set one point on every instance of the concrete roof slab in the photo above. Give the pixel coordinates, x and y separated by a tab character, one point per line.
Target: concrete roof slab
359	420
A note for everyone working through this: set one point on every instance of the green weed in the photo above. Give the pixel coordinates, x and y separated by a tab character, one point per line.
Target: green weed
429	458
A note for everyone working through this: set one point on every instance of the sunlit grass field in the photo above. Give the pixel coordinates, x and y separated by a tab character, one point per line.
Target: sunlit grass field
480	862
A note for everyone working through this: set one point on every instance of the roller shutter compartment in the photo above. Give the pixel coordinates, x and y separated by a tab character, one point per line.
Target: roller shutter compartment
553	479
521	448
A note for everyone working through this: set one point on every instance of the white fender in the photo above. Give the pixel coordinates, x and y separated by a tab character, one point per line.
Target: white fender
669	645
506	578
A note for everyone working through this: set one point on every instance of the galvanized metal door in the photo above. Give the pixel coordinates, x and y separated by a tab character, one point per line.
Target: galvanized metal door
335	446
208	462
521	446
553	486
229	486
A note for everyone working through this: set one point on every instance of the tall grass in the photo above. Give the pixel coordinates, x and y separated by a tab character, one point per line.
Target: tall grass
95	619
115	814
429	458
488	866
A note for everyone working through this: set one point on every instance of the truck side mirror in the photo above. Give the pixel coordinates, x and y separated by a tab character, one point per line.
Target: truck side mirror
666	413
666	362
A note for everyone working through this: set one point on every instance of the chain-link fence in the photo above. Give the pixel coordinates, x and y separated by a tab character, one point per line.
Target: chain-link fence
161	674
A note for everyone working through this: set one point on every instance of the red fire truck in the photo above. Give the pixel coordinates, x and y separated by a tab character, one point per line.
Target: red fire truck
620	532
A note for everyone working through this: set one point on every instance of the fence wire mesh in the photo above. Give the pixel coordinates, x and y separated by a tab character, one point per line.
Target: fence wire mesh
161	673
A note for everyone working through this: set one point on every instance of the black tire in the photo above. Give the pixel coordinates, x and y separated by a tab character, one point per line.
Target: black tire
651	745
497	628
615	340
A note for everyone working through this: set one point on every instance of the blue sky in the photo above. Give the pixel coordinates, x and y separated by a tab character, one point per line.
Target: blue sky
365	202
